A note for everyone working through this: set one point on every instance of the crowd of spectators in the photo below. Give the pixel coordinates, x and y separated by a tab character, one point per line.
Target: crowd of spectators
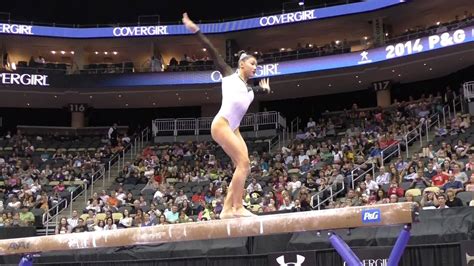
34	179
186	182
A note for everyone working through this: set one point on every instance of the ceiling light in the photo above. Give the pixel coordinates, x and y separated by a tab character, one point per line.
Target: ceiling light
337	41
177	94
255	53
399	75
96	52
204	49
13	66
357	77
207	98
393	70
431	69
366	38
27	104
386	34
437	23
154	103
297	85
72	52
90	97
282	49
55	96
106	52
126	104
120	95
360	81
424	64
53	52
310	45
63	52
179	99
330	85
115	52
301	3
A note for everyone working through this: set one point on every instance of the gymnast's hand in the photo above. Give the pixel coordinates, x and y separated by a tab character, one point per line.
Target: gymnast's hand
189	24
265	85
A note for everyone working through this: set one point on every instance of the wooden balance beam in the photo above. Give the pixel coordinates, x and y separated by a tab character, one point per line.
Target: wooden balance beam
367	216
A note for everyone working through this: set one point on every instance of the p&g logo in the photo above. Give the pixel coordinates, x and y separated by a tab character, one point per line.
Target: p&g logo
371	216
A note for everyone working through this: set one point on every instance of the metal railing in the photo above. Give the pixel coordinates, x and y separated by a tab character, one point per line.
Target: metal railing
412	135
194	126
359	176
331	196
47	217
389	151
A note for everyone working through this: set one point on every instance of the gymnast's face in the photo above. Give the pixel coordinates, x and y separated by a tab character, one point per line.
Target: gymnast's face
248	66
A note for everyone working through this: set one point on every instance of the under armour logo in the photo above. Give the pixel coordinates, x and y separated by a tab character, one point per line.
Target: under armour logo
365	58
299	261
469	258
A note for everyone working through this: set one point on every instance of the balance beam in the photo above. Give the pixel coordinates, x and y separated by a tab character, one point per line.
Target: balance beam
367	216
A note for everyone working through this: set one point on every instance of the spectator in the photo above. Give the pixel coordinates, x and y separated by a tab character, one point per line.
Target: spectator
442	202
172	215
126	221
100	226
113	135
110	225
26	217
14	203
383	177
63	227
74	220
440	179
456	186
452	200
81	227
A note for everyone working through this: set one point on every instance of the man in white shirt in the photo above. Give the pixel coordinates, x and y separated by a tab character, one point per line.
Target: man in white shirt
383	177
311	123
254	186
302	157
370	183
287	204
294	184
74	220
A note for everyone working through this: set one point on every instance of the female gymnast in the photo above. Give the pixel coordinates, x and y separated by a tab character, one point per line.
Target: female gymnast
237	95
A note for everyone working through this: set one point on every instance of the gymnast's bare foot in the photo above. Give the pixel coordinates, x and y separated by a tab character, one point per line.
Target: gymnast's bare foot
242	212
226	214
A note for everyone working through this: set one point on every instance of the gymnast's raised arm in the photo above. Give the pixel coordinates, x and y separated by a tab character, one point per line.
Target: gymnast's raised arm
221	65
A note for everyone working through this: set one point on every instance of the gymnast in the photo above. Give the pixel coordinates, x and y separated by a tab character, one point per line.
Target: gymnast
237	95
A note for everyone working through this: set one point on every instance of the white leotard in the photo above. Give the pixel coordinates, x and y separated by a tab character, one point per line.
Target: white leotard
236	99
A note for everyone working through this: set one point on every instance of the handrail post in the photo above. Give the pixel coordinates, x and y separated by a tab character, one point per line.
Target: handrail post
427	131
406	142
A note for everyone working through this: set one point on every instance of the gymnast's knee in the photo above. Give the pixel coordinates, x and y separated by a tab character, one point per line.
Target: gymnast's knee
244	166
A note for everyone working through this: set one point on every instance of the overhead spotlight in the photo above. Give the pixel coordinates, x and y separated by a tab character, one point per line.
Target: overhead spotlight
297	85
154	103
357	77
360	81
310	45
282	49
90	97
72	52
330	85
207	98
63	52
96	52
120	95
204	49
27	104
179	99
424	64
437	23
399	75
393	70
386	34
431	69
126	104
106	53
115	52
177	94
337	41
301	3
366	38
53	52
255	53
55	96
